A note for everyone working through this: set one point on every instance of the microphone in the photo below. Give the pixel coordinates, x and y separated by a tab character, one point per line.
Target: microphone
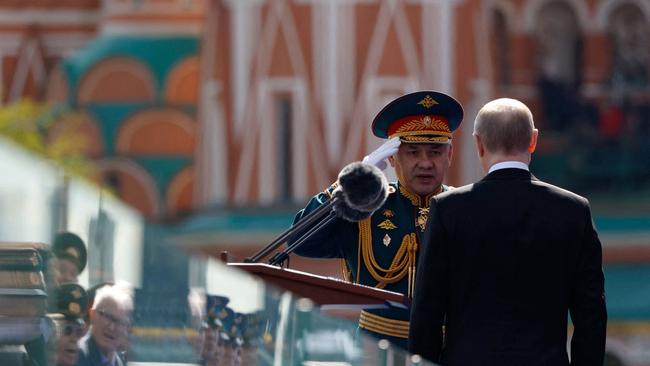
363	188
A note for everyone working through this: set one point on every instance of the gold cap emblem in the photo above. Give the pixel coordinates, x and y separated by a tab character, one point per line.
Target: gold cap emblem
72	252
427	102
74	308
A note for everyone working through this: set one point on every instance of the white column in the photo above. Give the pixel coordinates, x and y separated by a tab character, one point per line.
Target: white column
212	142
243	26
439	35
481	92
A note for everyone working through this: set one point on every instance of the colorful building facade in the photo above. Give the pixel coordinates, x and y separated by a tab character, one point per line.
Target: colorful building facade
242	109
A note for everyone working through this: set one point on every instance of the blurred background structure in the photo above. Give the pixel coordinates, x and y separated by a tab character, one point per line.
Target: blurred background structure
215	120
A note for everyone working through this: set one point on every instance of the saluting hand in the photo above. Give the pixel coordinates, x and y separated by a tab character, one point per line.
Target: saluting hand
379	156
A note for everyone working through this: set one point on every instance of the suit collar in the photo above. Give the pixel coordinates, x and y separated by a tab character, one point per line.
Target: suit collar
509	164
509	174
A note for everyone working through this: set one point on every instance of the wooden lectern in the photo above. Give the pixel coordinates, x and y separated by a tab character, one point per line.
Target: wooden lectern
325	291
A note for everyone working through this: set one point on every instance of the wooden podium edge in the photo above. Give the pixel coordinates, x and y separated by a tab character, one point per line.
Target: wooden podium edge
323	290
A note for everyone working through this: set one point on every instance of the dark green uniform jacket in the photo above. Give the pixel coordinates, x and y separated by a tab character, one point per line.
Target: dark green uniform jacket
380	251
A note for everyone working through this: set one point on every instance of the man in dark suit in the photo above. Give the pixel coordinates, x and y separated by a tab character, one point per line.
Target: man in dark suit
68	315
505	259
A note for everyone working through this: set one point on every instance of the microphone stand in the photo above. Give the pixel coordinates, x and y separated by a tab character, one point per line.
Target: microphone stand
306	221
282	256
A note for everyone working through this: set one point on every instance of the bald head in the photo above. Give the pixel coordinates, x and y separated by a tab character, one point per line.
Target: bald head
505	126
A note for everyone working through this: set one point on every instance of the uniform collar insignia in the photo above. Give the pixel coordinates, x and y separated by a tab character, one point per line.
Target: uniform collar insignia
414	198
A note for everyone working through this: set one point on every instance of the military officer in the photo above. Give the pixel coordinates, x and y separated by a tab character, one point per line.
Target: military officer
230	340
71	306
215	306
251	329
381	251
71	254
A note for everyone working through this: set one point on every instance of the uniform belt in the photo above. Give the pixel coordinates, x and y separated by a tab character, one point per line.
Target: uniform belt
386	326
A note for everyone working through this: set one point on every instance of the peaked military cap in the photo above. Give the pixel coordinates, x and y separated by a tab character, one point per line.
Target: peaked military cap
215	309
421	117
71	301
70	246
238	328
229	332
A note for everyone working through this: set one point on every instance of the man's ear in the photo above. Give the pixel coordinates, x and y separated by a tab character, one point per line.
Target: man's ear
533	141
391	160
480	149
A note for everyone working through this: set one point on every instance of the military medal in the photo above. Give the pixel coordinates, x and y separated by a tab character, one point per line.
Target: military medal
421	220
386	240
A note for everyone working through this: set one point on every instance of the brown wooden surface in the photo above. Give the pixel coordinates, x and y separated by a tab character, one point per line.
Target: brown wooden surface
322	290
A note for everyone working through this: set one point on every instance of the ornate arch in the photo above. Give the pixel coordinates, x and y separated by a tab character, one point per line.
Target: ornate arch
502	24
507	8
607	7
132	183
182	83
181	191
533	8
87	126
117	79
174	130
57	90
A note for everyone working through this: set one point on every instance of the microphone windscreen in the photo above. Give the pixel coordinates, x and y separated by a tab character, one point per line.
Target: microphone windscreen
346	212
364	186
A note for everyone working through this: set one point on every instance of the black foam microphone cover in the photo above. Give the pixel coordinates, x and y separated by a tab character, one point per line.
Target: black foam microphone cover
364	187
344	211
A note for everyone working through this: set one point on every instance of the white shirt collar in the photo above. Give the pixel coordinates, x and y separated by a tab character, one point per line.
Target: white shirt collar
508	164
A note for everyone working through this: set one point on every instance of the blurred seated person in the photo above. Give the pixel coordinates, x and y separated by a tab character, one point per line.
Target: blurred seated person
198	325
230	341
215	308
110	322
251	333
91	300
68	316
71	254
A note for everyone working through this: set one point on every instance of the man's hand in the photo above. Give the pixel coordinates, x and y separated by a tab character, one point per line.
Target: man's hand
379	156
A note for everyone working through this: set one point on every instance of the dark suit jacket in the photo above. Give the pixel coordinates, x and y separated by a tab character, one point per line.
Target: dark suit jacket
89	354
503	262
